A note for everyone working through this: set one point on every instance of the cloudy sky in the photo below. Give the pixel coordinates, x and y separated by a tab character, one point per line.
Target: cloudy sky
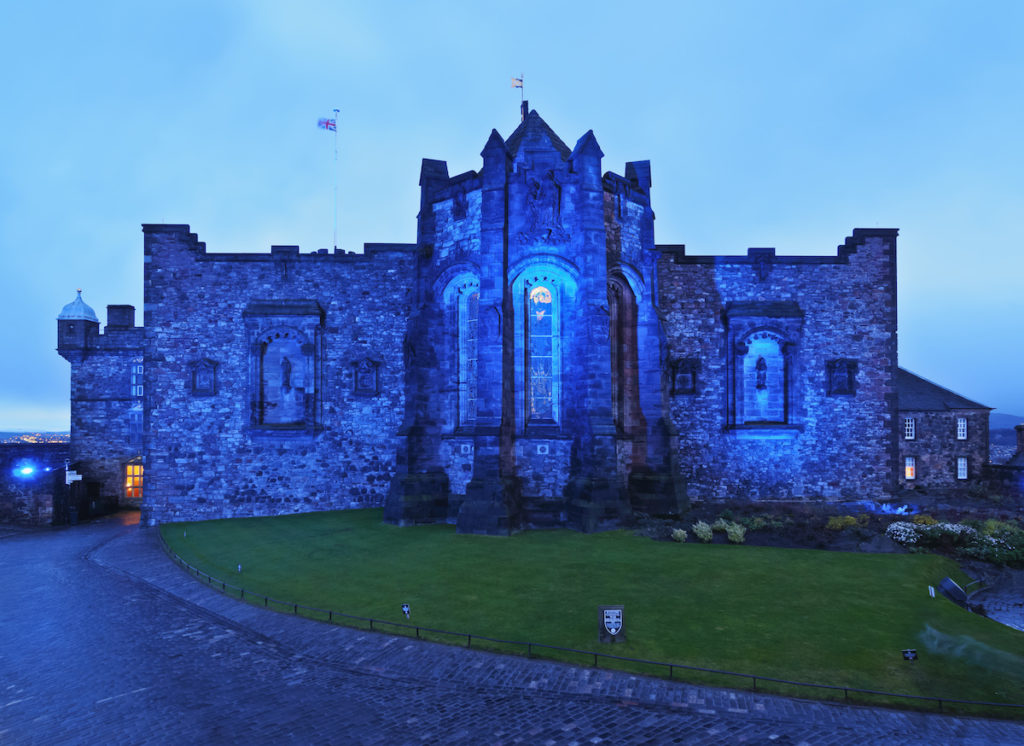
782	124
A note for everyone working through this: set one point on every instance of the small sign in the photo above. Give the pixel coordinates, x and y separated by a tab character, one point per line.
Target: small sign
611	623
71	476
910	654
405	610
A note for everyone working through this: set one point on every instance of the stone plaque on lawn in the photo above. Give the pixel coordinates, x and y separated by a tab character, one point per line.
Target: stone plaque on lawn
610	624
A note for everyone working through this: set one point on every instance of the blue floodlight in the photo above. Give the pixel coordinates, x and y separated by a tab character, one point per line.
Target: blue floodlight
24	471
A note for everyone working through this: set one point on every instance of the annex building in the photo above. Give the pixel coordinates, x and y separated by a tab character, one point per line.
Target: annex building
535	357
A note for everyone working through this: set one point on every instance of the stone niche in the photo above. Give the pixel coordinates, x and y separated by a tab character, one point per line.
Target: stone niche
285	365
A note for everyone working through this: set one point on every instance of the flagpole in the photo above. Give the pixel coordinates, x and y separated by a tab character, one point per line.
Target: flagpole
336	179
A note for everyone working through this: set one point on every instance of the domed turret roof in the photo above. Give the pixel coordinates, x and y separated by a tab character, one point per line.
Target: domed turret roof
77	310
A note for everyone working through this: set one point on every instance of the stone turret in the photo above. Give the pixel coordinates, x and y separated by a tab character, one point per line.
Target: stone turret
77	327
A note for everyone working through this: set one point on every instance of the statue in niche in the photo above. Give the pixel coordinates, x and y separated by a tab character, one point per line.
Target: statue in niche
286	375
544	210
761	371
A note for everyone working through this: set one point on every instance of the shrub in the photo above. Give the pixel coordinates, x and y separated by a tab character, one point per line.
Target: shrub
720	524
702	531
924	520
840	522
679	534
903	532
735	533
757	522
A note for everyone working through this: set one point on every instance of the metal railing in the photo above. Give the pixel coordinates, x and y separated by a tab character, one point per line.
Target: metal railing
530	648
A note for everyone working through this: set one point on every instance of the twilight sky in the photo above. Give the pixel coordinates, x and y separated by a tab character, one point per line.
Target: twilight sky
781	123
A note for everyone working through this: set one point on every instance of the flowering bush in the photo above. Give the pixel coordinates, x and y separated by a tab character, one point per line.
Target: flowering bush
924	520
720	524
902	532
736	533
840	522
679	534
702	531
1004	545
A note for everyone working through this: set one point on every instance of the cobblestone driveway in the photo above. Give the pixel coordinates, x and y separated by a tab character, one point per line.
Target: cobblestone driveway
104	640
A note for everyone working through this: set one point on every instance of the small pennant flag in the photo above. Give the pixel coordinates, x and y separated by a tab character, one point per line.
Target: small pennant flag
517	82
328	124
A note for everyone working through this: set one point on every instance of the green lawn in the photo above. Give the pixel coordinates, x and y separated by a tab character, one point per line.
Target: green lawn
822	617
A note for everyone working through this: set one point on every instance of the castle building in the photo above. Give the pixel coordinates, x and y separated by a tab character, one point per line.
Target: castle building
535	358
943	436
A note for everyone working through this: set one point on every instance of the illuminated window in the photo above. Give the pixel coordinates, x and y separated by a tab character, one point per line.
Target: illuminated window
961	468
540	355
909	428
910	468
961	429
136	382
133	480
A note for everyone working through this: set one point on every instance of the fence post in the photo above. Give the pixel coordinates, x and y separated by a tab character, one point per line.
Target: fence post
264	602
417	633
469	641
671	668
371	625
296	609
755	682
243	593
330	615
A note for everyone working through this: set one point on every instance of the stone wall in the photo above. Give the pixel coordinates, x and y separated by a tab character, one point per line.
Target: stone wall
825	314
27	497
104	403
211	451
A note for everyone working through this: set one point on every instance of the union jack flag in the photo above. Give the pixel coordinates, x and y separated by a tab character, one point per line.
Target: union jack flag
328	124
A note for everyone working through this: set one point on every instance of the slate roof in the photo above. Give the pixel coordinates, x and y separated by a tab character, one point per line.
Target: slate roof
914	392
532	126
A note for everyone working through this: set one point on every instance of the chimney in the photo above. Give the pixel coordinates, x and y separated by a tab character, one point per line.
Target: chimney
524	109
1020	439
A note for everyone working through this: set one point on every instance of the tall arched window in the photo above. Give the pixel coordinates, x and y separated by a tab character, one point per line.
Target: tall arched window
540	355
622	314
468	310
545	290
460	290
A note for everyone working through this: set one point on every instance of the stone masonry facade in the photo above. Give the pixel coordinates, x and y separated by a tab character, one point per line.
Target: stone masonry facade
533	359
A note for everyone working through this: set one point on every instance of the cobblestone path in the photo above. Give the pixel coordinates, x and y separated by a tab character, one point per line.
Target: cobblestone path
104	640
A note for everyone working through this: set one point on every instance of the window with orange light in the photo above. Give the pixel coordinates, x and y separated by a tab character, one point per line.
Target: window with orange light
910	468
133	480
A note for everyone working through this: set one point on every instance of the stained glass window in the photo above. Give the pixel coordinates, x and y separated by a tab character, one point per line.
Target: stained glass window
540	332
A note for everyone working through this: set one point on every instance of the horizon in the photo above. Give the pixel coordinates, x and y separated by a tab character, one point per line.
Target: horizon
784	126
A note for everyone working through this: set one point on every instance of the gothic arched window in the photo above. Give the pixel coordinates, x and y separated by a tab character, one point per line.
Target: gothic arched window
541	378
622	321
462	310
544	291
468	310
